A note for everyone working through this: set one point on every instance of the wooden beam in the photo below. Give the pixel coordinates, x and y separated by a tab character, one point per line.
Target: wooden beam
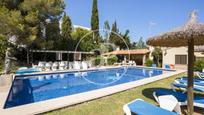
190	75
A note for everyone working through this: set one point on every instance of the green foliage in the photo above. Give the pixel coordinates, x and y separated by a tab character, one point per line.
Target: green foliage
3	46
157	55
149	62
112	59
53	34
66	27
119	39
133	45
141	44
95	21
66	43
83	40
198	65
26	18
97	60
107	28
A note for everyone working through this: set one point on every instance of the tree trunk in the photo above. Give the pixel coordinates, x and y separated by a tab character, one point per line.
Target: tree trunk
190	75
7	62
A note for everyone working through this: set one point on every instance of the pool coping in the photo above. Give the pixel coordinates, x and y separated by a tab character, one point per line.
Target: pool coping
52	104
89	69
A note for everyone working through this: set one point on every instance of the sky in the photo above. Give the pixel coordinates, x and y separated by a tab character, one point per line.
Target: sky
143	18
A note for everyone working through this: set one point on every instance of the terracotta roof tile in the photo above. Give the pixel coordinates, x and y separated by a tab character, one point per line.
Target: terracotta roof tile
126	52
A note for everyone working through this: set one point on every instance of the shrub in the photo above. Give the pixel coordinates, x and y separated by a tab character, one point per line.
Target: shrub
98	60
199	65
149	62
112	59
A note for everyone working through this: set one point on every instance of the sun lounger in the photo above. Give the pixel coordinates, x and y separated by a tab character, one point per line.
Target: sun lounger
197	81
140	107
131	63
48	66
84	65
77	65
167	66
200	75
71	65
181	97
55	66
154	65
89	63
183	86
62	65
41	65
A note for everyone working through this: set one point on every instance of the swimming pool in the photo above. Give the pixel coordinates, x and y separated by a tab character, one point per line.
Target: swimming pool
28	89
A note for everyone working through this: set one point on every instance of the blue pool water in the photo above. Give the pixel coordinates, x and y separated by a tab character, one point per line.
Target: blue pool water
35	88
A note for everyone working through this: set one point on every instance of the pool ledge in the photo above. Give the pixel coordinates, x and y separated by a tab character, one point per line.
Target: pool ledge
52	104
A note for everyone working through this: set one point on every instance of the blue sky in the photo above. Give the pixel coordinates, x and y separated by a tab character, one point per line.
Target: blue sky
143	18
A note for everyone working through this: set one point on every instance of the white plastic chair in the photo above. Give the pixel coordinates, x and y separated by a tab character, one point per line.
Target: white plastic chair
89	63
48	66
62	66
77	65
41	65
55	66
84	65
71	65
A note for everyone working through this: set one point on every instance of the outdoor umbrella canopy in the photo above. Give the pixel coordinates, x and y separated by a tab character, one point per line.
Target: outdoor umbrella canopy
180	36
190	34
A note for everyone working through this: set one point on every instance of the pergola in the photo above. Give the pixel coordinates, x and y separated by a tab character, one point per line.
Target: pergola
59	52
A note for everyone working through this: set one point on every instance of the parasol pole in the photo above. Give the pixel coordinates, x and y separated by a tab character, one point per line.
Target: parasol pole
190	75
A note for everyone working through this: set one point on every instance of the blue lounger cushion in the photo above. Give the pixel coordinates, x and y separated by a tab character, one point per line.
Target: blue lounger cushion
197	81
196	88
140	107
181	97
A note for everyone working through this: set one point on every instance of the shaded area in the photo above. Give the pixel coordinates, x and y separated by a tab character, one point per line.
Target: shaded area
148	92
20	93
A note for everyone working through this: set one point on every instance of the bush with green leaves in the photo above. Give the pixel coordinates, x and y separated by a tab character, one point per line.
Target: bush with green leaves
199	65
112	59
149	62
97	60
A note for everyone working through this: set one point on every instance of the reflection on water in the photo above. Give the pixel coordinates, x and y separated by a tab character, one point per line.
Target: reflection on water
20	93
43	87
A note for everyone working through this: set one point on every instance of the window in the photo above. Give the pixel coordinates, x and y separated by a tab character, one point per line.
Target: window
181	59
200	58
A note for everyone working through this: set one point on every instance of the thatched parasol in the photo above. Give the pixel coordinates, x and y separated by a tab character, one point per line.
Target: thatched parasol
192	33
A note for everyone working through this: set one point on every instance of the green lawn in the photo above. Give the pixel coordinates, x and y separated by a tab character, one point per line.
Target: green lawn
112	105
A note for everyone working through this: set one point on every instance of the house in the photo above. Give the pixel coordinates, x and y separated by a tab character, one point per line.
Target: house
179	56
138	55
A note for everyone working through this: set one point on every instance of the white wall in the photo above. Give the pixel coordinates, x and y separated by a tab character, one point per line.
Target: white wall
169	54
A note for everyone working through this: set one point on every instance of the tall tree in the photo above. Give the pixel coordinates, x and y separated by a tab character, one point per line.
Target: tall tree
141	44
107	30
157	55
67	41
83	40
24	20
95	21
114	33
126	40
119	39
